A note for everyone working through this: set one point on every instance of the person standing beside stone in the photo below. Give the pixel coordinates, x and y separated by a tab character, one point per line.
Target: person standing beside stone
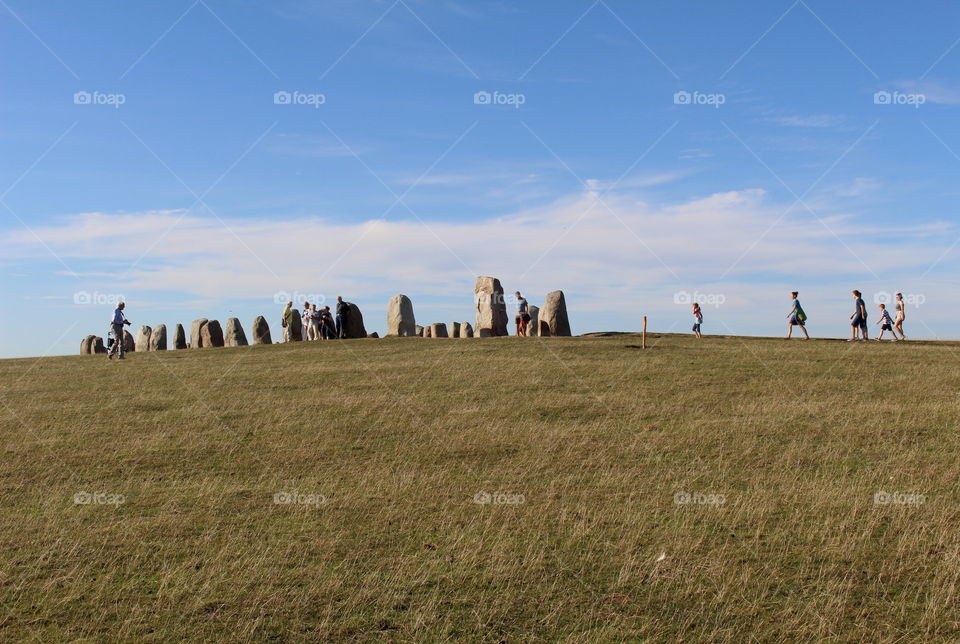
313	333
286	321
305	321
343	313
523	314
116	329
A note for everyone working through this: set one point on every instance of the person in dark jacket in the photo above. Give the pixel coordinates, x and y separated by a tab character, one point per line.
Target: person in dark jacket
343	315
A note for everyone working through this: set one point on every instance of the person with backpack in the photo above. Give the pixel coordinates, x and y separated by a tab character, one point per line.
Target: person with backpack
286	319
797	317
116	331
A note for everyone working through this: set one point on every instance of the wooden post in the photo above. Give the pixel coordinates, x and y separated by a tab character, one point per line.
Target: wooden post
643	342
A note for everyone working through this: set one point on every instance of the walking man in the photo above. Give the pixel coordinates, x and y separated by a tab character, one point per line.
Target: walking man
116	329
858	320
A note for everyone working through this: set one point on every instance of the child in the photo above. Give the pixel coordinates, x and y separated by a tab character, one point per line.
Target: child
887	323
698	319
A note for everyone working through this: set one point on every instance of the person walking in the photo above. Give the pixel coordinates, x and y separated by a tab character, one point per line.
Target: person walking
797	317
697	320
343	315
858	319
117	323
523	314
900	316
286	320
886	322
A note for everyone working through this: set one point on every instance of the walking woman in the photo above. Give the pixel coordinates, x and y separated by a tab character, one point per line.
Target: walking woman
797	317
858	319
901	315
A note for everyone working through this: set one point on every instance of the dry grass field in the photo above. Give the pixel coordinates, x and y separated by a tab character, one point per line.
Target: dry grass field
516	490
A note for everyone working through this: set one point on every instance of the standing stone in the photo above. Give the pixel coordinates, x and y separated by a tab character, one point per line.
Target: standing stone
491	307
235	336
355	328
129	343
143	338
426	332
418	331
96	346
454	329
438	330
534	312
195	327
86	345
261	331
543	328
400	318
485	333
553	315
211	335
179	338
296	326
158	338
466	330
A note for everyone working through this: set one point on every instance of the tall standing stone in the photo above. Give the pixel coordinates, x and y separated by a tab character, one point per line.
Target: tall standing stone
534	312
96	345
195	327
143	338
438	330
296	326
86	345
355	328
158	338
490	306
400	318
466	330
129	343
211	335
179	338
261	331
235	336
454	329
553	315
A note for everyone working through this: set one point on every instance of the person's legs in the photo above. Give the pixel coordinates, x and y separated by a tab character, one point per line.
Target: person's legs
806	336
340	329
863	330
789	330
898	328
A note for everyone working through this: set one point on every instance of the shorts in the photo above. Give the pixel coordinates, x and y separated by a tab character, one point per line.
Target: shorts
795	321
859	322
886	327
696	328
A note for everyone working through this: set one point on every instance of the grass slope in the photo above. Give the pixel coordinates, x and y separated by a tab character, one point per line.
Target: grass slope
394	438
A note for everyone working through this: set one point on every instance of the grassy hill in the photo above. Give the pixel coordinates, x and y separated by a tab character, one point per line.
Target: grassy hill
484	490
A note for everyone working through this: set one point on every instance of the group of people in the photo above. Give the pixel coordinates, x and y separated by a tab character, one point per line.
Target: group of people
858	319
317	324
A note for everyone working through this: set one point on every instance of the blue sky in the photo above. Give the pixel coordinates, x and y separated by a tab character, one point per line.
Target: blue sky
186	187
